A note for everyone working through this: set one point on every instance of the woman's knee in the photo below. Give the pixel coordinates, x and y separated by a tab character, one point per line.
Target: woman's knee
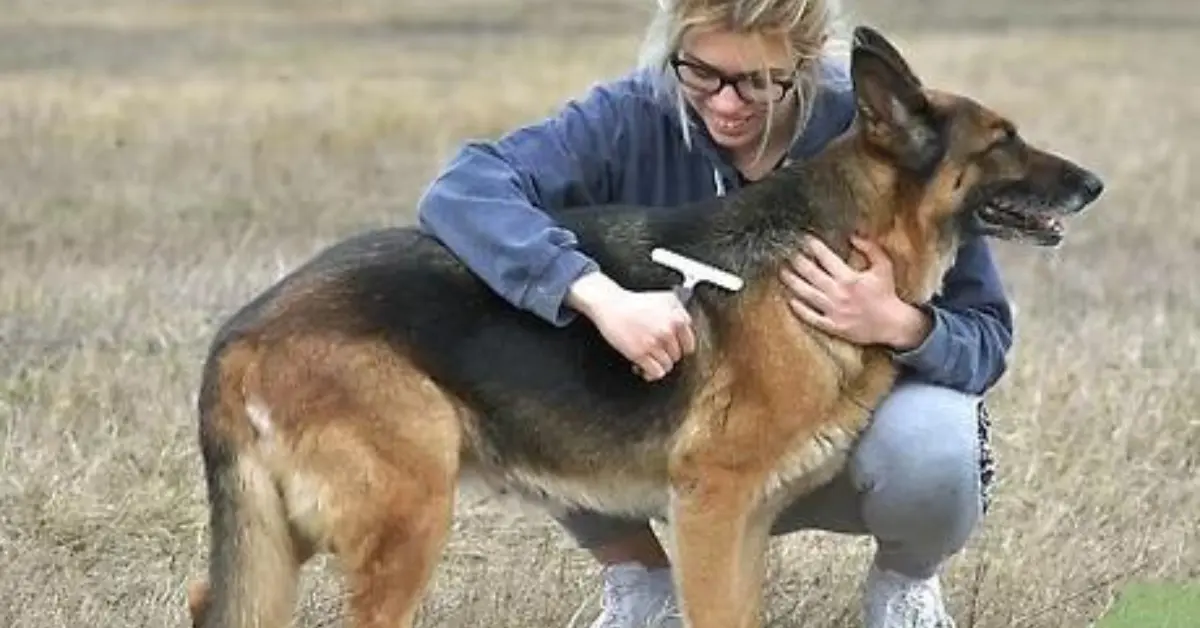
918	464
920	431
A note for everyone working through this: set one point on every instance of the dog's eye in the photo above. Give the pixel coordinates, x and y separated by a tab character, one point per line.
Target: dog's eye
1008	139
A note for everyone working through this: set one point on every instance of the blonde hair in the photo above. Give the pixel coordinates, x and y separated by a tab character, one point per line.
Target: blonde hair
810	27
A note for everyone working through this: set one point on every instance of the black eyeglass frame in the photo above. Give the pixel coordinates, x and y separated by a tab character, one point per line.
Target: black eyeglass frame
736	81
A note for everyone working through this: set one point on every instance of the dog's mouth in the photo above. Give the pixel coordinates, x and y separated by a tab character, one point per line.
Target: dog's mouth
1022	211
1006	218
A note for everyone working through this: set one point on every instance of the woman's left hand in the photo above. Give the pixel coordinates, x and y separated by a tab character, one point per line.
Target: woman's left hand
859	306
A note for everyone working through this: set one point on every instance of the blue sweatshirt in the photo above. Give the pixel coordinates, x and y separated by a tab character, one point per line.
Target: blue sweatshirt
622	142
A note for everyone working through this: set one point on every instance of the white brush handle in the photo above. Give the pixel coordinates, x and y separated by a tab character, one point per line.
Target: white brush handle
694	271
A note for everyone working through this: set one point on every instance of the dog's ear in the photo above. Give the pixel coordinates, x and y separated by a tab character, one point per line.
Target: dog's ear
867	37
894	112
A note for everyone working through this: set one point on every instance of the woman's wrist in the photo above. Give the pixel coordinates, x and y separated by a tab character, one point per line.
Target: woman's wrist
589	291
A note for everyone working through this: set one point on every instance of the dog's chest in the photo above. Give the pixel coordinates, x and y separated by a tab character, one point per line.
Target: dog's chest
809	463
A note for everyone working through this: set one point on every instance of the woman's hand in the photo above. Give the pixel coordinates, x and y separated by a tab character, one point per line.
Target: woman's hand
651	329
859	306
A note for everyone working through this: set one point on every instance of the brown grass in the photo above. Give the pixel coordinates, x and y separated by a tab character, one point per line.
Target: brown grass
162	163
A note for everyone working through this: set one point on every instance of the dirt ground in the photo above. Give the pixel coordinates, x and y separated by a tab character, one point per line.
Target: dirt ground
162	162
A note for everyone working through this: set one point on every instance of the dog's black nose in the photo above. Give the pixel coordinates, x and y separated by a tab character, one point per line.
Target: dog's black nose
1092	186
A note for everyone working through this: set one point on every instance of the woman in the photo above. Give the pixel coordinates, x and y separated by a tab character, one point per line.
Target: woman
726	91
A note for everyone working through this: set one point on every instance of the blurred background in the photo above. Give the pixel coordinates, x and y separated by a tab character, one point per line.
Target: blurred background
161	162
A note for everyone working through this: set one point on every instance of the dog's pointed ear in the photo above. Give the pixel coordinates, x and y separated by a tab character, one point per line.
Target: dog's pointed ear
895	114
867	37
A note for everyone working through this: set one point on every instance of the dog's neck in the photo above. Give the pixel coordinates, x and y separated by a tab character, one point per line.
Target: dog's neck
887	204
760	224
841	191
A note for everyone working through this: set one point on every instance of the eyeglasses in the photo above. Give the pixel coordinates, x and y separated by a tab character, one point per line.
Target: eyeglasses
751	87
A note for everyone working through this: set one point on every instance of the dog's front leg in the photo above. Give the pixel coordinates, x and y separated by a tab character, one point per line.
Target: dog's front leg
718	544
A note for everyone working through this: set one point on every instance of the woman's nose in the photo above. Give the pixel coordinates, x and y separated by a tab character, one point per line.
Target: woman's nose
726	101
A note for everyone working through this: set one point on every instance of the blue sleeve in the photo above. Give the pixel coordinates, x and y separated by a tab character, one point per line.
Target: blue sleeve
491	204
972	330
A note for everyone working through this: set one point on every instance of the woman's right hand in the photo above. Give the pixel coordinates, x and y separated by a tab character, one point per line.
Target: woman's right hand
651	329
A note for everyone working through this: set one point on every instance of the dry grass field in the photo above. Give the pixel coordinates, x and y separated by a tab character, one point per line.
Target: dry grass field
162	162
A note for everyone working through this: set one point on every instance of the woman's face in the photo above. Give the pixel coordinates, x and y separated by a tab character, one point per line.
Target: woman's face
714	66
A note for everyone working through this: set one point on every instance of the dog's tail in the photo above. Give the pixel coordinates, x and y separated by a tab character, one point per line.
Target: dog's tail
254	559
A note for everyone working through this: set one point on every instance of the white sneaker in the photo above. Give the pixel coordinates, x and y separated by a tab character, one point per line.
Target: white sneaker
636	597
893	600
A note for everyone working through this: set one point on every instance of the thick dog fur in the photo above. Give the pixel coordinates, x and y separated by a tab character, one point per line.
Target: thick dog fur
340	409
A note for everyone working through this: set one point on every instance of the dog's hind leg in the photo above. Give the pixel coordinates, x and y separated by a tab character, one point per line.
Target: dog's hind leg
389	549
381	460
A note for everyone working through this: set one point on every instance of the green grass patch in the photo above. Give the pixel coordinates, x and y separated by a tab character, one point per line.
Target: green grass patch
1155	606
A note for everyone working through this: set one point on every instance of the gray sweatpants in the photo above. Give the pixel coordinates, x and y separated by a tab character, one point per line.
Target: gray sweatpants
912	482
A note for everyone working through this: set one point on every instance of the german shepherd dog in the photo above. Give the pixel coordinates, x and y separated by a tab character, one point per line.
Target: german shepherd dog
340	409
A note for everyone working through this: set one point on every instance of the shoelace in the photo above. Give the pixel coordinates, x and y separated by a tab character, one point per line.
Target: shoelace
622	614
907	605
617	591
